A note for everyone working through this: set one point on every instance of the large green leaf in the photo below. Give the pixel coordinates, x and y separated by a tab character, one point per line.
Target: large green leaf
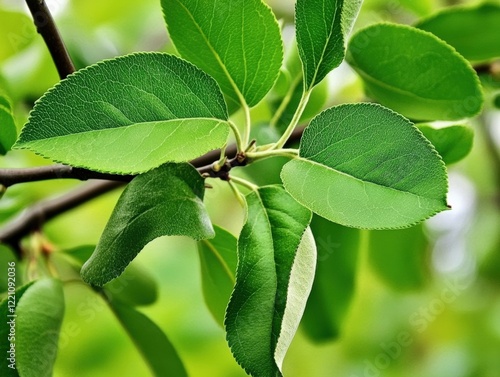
400	257
415	73
322	27
453	143
473	31
153	344
129	115
7	331
364	166
218	269
164	201
40	313
8	131
334	283
276	262
238	42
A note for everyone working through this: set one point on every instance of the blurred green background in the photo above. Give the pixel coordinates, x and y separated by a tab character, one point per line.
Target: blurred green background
436	314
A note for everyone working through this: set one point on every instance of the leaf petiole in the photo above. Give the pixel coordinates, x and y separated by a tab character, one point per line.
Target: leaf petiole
237	136
236	192
248	123
295	120
244	183
285	152
286	101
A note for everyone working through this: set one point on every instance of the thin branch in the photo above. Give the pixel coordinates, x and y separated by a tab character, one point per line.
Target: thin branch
47	29
10	177
35	216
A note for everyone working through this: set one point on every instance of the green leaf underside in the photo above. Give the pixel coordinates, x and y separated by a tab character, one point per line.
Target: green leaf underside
473	31
276	262
40	314
399	257
364	166
8	131
350	10
237	42
218	268
164	201
116	116
5	334
155	347
335	280
322	27
453	143
415	73
138	147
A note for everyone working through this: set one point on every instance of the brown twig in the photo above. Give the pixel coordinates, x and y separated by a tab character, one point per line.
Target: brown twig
47	29
10	177
34	217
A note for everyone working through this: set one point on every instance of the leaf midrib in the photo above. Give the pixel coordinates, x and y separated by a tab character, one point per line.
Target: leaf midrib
365	181
240	96
401	91
138	124
325	47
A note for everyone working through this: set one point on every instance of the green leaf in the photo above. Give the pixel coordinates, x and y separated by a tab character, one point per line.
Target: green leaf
218	269
237	42
453	143
164	201
473	31
400	257
364	166
415	73
150	340
17	33
7	257
134	287
322	27
117	116
276	262
40	313
80	254
8	130
335	280
496	101
7	338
